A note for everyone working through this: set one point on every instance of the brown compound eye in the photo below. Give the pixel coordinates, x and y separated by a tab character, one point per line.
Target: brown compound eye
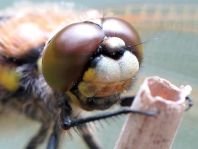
115	27
68	52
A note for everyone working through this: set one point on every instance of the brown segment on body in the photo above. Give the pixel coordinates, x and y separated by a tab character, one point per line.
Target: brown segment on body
30	28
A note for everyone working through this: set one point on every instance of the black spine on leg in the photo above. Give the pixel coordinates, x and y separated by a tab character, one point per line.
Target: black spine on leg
68	123
54	138
52	144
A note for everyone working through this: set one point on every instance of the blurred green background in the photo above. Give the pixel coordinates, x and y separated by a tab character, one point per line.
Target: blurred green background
170	30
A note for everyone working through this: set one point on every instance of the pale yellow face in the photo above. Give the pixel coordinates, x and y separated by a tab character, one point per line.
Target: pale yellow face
109	76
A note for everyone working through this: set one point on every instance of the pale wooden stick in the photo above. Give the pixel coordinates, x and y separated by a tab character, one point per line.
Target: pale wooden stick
143	132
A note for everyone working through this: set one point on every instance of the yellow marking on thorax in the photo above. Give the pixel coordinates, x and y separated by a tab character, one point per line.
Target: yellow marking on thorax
9	78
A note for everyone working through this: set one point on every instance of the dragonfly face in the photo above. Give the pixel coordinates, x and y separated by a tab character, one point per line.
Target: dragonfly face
94	61
86	65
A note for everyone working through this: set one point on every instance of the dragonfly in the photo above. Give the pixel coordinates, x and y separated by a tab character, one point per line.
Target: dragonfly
55	66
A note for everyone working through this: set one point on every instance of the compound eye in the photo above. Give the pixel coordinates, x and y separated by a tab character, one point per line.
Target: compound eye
115	27
67	53
84	37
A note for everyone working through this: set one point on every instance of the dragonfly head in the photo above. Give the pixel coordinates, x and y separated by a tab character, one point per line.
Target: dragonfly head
96	61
